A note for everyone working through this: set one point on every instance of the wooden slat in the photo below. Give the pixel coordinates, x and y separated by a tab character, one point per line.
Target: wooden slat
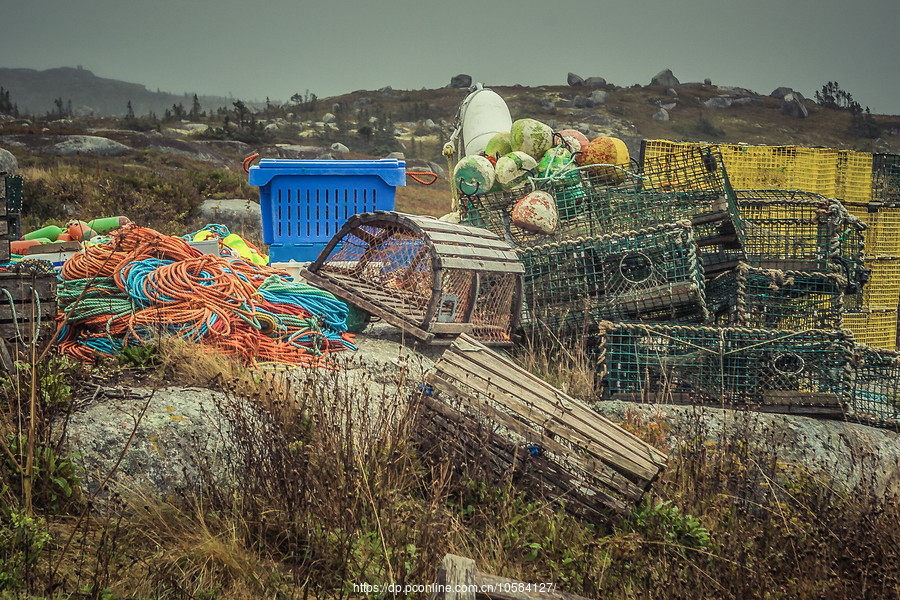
25	287
538	390
455	238
471	252
430	225
450	328
470	264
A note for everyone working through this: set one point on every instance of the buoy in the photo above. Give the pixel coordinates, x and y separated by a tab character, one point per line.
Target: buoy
107	224
50	232
22	246
79	230
498	145
473	175
605	151
64	237
536	212
555	160
574	139
531	137
482	114
513	170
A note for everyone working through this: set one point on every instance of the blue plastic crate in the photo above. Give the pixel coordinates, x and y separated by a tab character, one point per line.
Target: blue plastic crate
304	203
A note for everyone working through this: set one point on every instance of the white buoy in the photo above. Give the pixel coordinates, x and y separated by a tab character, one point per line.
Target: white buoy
483	114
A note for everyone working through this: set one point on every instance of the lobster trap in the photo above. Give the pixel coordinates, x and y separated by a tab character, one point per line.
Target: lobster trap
778	371
875	394
874	327
769	298
886	177
882	219
595	200
650	274
489	413
801	231
430	278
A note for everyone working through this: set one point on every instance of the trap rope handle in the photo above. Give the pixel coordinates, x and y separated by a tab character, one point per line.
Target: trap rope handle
417	174
246	163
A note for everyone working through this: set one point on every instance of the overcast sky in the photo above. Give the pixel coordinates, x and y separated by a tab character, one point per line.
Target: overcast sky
275	48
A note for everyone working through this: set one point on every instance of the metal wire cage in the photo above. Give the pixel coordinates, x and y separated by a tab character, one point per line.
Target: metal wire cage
649	274
770	298
785	371
886	177
801	231
426	276
602	199
875	395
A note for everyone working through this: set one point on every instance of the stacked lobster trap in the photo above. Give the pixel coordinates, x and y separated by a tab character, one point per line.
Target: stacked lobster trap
685	289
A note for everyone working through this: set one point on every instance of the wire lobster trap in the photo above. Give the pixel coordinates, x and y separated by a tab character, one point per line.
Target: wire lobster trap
886	177
875	394
595	200
876	328
801	231
778	371
650	274
430	278
882	219
773	299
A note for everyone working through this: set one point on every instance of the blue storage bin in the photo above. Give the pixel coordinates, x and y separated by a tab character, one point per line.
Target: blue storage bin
304	203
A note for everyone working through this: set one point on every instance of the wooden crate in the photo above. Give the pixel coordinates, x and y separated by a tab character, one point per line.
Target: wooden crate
27	303
522	425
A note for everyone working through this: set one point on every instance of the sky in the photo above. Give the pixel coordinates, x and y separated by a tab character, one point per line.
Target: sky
275	48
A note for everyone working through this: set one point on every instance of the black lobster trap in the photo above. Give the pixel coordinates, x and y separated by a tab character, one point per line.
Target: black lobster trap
431	278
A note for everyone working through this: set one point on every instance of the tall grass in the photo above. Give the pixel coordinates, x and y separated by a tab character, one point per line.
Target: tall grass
334	489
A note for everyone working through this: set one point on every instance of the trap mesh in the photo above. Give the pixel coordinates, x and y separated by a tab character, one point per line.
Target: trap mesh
875	328
886	177
875	394
650	274
769	298
794	230
882	234
599	200
729	364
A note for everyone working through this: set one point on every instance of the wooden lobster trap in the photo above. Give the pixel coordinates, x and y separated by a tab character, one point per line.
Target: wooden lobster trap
432	279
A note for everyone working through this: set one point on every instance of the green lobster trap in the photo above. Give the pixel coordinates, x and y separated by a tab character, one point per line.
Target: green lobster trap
770	298
778	371
598	200
886	177
801	231
650	274
875	395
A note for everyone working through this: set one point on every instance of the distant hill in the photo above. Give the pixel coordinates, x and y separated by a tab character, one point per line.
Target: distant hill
35	91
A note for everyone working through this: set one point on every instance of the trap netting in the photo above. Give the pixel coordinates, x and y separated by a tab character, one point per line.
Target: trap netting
426	276
649	274
770	298
886	177
801	231
602	199
875	396
732	365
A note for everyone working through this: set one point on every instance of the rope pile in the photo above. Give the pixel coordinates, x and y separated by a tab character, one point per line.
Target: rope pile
142	285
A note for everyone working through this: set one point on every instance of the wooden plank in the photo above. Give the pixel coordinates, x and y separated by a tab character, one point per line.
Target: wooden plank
450	328
473	252
471	264
501	367
628	463
363	303
437	225
454	238
592	468
455	579
26	287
